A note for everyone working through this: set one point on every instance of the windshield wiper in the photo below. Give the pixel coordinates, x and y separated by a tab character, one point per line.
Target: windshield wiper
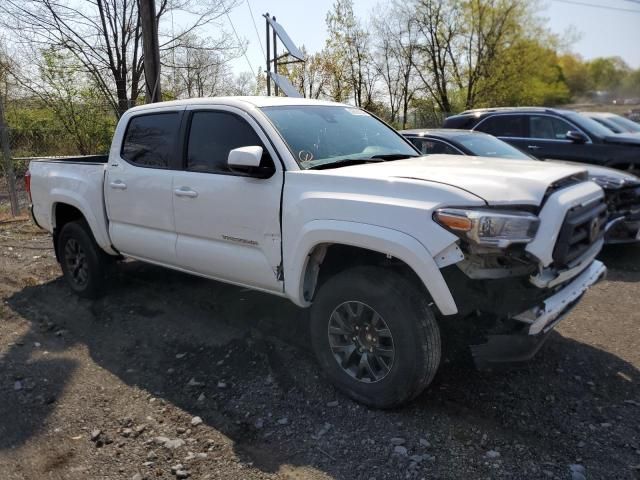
394	156
383	157
345	162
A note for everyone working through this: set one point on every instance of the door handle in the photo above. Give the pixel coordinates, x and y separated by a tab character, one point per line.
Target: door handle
118	185
185	192
533	147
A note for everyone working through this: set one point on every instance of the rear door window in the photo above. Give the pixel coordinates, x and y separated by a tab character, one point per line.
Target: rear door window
504	126
150	140
428	146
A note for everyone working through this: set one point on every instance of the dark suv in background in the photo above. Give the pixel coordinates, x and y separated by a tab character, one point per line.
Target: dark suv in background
554	134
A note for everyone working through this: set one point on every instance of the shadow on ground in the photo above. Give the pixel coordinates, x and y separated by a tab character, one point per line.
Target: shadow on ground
623	261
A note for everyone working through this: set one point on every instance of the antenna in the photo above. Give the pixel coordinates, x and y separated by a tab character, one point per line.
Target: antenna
291	50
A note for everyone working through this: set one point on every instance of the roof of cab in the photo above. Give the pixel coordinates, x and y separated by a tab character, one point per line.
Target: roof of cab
239	101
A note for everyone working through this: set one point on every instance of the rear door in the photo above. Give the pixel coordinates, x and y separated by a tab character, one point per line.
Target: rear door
228	224
510	127
138	187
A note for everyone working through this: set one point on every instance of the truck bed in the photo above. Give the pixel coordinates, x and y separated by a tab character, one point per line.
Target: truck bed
74	181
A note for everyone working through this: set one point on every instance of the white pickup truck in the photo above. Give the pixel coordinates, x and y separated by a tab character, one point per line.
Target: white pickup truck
325	205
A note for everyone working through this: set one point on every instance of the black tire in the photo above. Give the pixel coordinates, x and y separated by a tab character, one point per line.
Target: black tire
83	262
411	325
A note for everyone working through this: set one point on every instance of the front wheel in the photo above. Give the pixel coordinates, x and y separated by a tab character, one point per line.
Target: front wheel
375	336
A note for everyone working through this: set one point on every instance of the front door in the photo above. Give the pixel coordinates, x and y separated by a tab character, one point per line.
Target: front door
138	188
548	139
228	224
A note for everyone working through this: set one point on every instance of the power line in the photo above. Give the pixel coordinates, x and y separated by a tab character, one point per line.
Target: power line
604	7
240	41
256	29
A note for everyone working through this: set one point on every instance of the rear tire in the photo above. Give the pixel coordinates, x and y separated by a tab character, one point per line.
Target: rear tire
397	333
83	262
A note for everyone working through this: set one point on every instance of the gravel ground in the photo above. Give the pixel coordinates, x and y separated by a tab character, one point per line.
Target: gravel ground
171	376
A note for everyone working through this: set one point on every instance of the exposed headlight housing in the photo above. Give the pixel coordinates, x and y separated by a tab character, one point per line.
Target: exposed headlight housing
615	183
489	228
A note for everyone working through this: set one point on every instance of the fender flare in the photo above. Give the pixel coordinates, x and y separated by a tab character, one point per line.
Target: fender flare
97	225
371	237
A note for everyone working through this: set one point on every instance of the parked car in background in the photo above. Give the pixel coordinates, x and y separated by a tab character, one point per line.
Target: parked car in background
615	123
633	114
323	204
622	189
556	134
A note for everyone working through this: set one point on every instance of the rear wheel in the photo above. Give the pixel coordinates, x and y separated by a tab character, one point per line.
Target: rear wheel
375	336
83	262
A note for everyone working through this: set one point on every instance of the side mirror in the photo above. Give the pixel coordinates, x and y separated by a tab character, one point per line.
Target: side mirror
248	161
577	137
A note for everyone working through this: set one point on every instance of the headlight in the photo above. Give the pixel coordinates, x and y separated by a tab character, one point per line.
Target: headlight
615	183
489	228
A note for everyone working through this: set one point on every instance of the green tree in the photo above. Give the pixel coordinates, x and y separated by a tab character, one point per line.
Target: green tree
69	94
631	84
608	73
576	74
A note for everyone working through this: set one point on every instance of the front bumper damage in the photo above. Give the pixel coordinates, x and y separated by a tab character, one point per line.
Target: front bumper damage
535	324
625	229
624	212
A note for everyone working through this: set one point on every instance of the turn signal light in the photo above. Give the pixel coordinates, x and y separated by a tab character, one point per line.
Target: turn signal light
454	222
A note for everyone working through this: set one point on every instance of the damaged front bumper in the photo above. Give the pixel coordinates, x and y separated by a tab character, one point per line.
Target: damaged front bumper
625	229
535	324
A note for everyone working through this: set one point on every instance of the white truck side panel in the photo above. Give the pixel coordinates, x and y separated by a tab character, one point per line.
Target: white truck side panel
372	237
396	220
75	184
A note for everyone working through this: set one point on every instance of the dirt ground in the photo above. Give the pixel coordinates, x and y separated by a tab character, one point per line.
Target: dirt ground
170	376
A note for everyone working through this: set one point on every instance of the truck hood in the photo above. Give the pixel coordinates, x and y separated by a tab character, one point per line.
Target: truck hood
496	181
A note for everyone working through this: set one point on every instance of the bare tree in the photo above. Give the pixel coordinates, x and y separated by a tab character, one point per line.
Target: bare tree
462	45
104	36
439	26
490	27
350	45
7	69
395	57
200	67
242	84
310	77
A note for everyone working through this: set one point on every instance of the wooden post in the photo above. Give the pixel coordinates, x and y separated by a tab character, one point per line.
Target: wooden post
151	49
8	164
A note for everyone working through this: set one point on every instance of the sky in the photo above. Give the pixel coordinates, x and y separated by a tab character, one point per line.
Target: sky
598	32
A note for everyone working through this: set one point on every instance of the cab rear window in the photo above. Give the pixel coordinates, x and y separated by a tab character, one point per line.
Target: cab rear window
150	140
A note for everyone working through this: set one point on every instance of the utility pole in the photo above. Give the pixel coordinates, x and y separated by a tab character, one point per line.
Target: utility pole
275	57
8	164
266	19
151	49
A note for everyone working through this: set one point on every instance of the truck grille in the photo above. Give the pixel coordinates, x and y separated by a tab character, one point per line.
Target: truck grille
583	226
